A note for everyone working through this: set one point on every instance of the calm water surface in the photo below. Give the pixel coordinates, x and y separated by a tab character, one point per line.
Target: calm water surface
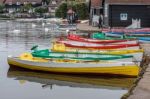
23	84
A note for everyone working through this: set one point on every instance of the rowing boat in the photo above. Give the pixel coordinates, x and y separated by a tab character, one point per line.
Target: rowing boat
137	53
111	36
144	41
76	67
115	35
118	36
75	37
46	53
77	44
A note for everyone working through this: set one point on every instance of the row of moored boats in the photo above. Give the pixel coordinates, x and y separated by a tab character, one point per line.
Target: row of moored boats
102	53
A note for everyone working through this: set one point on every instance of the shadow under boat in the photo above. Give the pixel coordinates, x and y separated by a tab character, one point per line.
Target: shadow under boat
81	81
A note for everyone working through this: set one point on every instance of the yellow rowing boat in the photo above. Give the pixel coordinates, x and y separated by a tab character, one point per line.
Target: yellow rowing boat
62	48
75	67
137	53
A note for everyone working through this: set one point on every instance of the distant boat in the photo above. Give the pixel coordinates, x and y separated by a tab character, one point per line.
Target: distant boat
111	36
121	36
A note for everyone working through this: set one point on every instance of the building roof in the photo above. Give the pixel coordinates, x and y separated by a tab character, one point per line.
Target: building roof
22	1
58	2
70	11
129	2
96	3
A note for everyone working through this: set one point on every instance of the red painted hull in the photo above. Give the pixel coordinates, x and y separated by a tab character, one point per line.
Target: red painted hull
104	47
93	46
81	39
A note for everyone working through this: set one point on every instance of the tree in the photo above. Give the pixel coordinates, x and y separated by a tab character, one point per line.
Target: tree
82	10
1	8
26	7
61	12
41	10
47	1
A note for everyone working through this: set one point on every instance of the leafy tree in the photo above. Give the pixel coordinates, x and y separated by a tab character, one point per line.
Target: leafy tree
41	10
82	10
1	8
61	11
26	7
57	13
47	1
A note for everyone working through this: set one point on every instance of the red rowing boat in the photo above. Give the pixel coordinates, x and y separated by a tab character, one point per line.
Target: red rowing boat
76	44
82	39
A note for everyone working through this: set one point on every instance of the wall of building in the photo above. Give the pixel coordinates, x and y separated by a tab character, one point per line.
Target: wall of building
122	15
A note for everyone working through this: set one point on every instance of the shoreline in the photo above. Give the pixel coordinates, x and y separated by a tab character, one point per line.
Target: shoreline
142	81
131	94
140	88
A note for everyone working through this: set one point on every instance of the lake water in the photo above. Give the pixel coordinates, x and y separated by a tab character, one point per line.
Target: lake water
24	84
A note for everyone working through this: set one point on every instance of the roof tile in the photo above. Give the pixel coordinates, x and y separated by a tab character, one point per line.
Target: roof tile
21	1
96	3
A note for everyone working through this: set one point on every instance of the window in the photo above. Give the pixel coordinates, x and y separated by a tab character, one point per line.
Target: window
10	3
18	3
25	3
33	3
123	16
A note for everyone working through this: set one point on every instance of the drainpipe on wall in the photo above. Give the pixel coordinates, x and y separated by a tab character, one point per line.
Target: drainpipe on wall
90	16
106	14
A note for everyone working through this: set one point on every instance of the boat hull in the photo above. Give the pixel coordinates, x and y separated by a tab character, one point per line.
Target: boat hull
88	40
113	68
136	52
76	44
80	56
144	41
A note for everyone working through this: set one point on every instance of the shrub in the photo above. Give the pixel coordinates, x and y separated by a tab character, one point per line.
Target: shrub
80	8
40	10
2	8
61	11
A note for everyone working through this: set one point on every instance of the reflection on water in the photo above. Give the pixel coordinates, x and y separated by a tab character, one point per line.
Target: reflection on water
22	84
81	81
18	44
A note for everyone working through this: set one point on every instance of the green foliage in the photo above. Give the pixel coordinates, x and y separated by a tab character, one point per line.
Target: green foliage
80	8
57	13
26	7
41	10
47	1
61	12
1	8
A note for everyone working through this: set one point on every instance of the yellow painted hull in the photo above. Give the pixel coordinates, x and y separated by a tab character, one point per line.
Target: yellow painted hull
62	48
114	70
